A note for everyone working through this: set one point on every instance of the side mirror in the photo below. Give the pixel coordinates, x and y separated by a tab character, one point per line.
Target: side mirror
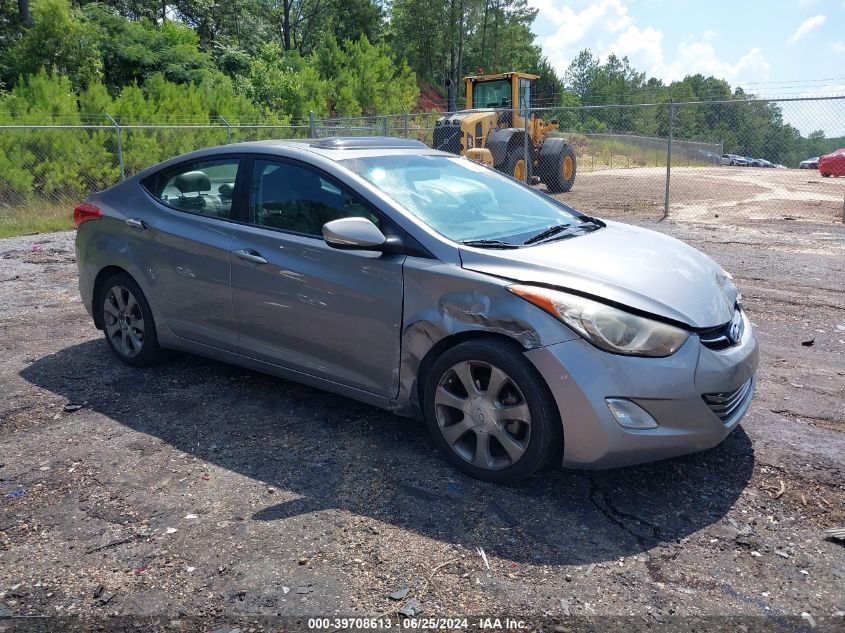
353	234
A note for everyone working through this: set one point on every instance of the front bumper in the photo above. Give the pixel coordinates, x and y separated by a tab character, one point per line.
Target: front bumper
670	389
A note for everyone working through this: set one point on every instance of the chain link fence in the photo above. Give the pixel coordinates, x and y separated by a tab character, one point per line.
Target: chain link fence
690	160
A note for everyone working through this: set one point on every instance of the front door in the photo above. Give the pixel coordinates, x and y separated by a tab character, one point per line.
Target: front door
300	303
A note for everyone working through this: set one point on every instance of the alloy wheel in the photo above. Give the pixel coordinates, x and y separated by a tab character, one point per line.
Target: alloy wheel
123	321
482	415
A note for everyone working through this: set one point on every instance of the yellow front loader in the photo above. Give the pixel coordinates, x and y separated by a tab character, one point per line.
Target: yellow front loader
492	130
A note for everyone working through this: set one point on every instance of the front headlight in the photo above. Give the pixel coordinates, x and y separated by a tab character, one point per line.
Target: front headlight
610	329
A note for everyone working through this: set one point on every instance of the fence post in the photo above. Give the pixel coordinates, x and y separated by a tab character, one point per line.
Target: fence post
668	160
119	146
526	115
384	127
312	124
228	129
406	124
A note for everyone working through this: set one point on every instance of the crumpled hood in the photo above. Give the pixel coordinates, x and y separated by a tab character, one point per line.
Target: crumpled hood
625	264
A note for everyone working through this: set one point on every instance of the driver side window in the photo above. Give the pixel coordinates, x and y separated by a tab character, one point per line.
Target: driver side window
295	198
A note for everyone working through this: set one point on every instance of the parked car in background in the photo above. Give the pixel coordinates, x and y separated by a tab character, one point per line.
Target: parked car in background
762	162
733	159
810	163
522	331
832	164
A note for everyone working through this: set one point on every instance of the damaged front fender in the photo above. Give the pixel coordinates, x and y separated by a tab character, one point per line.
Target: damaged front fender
443	301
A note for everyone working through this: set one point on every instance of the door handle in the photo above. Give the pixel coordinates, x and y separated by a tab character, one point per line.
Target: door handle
250	256
135	223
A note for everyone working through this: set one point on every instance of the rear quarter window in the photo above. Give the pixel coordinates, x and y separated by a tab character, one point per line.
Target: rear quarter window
204	187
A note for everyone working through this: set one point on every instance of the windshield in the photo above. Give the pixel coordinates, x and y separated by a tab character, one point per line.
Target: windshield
464	200
492	94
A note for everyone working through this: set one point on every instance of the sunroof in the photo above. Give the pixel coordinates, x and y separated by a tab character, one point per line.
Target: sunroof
367	142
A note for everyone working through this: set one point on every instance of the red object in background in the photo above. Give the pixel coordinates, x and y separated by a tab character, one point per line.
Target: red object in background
833	164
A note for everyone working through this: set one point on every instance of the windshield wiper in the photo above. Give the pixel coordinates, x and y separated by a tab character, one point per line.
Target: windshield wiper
489	244
559	229
591	220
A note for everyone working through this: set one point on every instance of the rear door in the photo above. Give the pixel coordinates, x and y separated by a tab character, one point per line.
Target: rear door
181	242
302	304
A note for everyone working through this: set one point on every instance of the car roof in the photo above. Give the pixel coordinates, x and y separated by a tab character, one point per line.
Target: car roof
334	148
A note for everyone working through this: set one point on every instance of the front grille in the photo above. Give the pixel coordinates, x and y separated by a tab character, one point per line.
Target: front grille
447	138
724	336
726	405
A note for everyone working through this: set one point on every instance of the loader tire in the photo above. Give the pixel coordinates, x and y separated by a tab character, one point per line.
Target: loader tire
514	165
557	165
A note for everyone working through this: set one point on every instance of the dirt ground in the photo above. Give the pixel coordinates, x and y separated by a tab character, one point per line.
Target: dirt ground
208	497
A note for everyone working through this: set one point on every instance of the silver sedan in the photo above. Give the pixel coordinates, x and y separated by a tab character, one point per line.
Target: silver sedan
522	331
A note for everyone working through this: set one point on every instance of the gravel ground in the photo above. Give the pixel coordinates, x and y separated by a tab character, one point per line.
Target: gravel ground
209	495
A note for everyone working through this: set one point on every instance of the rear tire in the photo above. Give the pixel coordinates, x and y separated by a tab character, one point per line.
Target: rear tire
557	165
128	322
490	412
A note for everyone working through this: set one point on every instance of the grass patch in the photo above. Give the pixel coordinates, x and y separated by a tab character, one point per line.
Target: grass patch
35	217
598	153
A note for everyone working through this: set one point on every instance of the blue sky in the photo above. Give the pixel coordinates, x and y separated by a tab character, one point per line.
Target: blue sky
771	48
745	42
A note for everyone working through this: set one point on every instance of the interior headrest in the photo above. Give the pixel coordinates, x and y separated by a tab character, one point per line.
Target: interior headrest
192	182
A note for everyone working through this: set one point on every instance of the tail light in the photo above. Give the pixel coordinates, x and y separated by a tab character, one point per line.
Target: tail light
85	212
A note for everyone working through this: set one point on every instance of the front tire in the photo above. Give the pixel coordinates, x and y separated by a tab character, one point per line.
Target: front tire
490	412
514	165
128	322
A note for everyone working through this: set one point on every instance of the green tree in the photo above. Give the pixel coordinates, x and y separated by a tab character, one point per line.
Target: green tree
378	82
581	73
418	34
134	50
352	19
57	41
277	85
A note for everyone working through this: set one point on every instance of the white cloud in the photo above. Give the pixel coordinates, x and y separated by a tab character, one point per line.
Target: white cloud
645	44
805	27
837	47
573	27
606	26
699	56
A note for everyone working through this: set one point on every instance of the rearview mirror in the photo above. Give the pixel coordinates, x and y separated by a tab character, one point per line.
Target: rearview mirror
353	234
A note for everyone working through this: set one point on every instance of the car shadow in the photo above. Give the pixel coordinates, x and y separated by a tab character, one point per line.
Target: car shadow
333	452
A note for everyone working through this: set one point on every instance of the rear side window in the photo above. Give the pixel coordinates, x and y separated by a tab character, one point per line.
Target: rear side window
205	187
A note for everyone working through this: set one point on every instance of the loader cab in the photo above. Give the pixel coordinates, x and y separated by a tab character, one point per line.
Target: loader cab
504	91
